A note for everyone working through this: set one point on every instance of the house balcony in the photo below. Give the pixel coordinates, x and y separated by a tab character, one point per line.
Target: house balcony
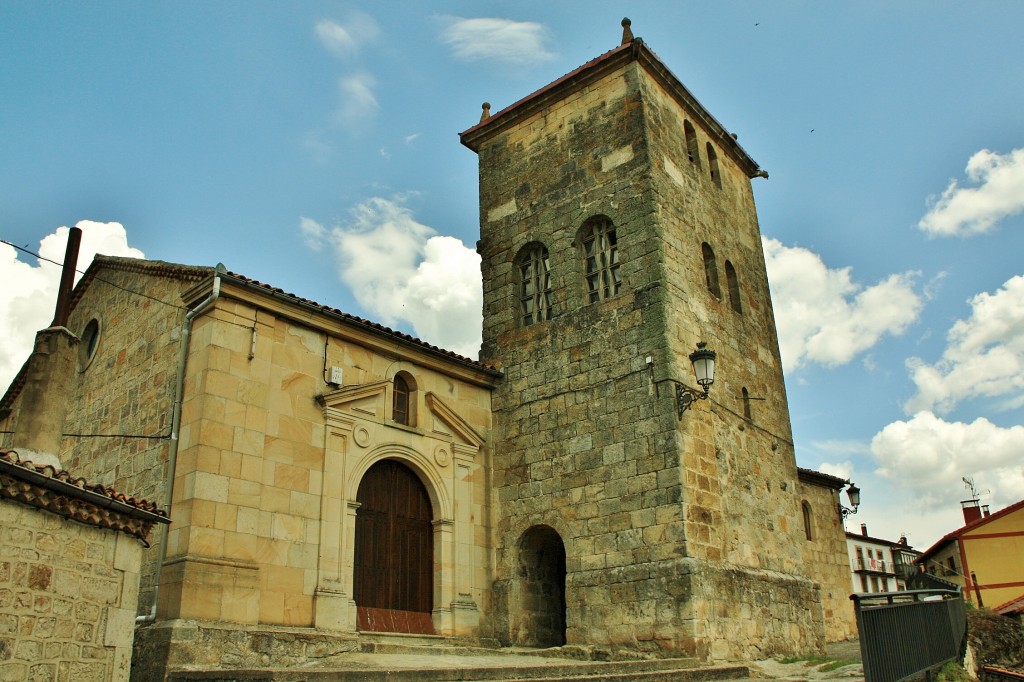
874	566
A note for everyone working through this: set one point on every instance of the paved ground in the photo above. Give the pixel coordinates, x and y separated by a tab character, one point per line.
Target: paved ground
811	670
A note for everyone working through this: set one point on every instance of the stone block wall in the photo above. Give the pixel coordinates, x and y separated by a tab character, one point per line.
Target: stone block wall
749	451
270	461
587	440
826	556
68	596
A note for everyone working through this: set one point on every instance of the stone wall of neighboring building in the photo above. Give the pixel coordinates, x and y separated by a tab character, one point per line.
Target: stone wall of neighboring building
674	530
70	557
68	596
825	552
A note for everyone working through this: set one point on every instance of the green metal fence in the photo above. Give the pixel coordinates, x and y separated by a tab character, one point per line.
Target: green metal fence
904	634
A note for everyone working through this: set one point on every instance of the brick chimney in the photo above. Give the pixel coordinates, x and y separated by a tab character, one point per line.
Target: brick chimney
971	510
864	529
48	374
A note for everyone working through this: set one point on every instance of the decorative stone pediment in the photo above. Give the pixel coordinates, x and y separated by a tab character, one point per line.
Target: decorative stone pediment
449	423
368	400
365	399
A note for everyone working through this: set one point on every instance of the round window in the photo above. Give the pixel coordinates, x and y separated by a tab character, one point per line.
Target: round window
88	343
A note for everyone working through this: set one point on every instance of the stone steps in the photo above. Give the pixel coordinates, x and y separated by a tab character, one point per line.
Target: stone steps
661	670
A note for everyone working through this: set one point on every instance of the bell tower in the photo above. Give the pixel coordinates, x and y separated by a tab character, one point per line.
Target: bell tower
618	231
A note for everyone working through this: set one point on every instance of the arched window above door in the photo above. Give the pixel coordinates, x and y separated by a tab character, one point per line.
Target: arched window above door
403	403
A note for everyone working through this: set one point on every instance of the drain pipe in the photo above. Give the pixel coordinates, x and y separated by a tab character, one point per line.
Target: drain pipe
179	392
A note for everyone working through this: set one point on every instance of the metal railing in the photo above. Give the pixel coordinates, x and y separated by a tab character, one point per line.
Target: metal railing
877	565
903	634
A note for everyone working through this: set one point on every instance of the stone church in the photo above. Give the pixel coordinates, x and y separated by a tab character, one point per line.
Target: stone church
327	477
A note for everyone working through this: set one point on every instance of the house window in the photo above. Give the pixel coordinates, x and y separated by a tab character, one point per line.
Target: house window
692	150
734	287
601	252
863	583
534	284
402	403
711	270
713	165
807	514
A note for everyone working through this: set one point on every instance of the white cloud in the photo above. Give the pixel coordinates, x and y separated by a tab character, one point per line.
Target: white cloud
963	211
984	355
823	316
402	271
842	470
928	457
29	294
357	99
515	43
344	40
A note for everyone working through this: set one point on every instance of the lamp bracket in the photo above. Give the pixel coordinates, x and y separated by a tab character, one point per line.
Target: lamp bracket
685	397
846	511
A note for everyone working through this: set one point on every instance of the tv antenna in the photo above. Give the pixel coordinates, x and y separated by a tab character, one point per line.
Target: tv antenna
975	493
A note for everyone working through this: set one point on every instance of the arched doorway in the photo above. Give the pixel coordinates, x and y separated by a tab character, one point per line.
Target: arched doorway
540	584
394	551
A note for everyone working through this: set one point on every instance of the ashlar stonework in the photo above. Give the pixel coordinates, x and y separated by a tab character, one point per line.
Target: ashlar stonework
681	535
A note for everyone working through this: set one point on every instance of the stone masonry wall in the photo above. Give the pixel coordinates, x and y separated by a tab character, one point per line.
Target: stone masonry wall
740	495
68	597
270	461
582	444
587	438
826	556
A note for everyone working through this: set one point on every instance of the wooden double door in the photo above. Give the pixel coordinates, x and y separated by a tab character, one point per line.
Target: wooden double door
394	551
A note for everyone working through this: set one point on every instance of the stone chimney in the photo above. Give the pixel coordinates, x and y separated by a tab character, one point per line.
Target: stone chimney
48	375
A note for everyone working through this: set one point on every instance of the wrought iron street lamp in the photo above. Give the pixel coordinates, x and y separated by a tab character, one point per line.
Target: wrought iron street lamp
852	492
703	361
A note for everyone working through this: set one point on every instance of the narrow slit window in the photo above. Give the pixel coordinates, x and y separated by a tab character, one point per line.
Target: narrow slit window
808	533
734	287
711	270
692	149
713	165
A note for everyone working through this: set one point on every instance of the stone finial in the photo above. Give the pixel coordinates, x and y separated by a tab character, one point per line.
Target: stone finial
627	34
486	114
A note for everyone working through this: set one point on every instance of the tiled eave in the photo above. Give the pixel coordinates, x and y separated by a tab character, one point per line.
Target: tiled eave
820	479
593	71
58	492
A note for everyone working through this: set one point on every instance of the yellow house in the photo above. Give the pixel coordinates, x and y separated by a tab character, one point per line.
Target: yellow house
985	556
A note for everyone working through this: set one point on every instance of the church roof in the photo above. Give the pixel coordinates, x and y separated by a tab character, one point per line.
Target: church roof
633	50
197	274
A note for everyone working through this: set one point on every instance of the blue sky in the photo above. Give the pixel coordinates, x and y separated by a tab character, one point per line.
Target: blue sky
314	146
